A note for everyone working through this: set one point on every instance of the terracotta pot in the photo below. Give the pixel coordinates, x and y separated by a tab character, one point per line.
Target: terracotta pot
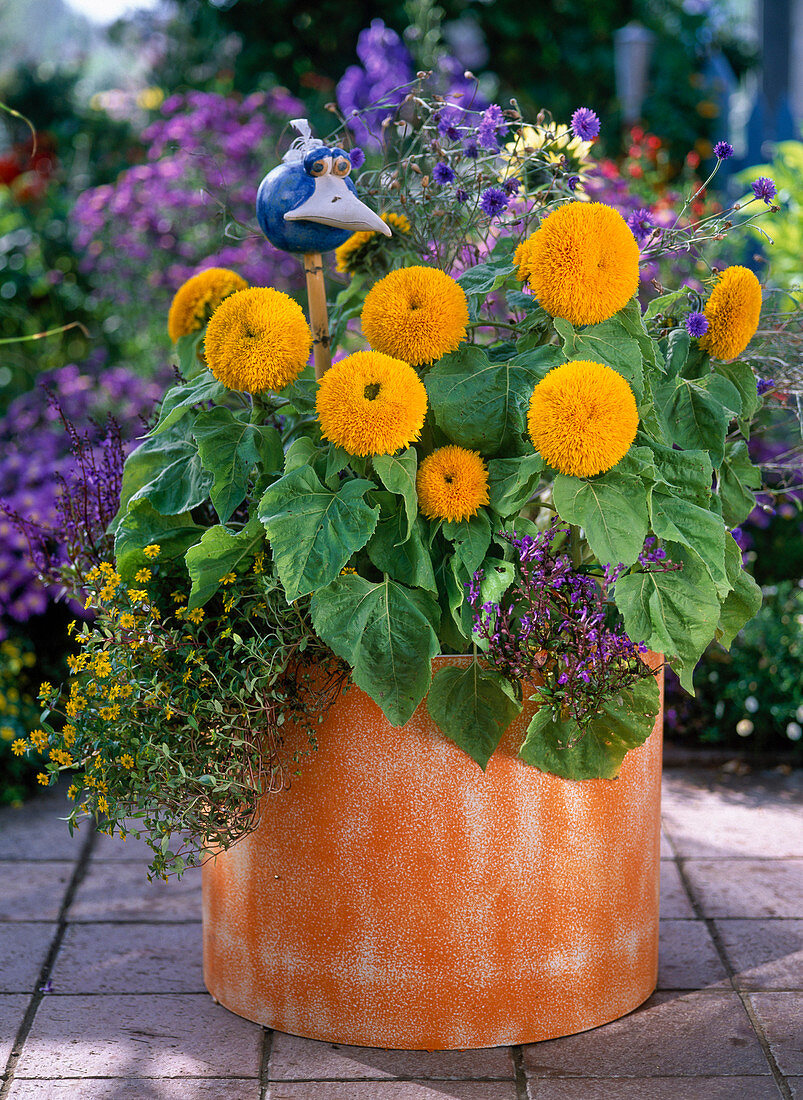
396	896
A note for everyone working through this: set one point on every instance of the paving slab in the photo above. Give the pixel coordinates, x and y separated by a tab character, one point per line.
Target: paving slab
687	957
659	1088
672	1035
764	954
12	1012
33	890
23	950
293	1059
139	1036
780	1016
713	816
796	1087
393	1090
121	892
674	899
34	831
746	888
130	958
183	1088
113	849
666	848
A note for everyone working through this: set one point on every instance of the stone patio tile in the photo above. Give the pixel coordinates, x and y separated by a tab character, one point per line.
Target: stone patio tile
115	850
23	949
660	1088
674	899
765	954
780	1016
796	1087
130	958
33	890
12	1011
139	1036
715	817
393	1090
34	831
182	1088
688	1035
687	957
120	891
747	888
666	850
293	1059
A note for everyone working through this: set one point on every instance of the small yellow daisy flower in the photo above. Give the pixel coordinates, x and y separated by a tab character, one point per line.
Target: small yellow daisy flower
152	551
19	746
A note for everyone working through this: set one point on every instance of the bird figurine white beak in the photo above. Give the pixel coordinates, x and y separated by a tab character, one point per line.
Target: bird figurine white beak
333	203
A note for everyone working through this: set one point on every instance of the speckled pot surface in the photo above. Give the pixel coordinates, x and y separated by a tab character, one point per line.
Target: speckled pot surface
398	897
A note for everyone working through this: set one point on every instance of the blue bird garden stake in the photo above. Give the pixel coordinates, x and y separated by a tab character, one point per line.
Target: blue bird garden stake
308	205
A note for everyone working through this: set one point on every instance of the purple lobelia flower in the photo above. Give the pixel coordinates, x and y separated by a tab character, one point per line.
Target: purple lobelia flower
585	124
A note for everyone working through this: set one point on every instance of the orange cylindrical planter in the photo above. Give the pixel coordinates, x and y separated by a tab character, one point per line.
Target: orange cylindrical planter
397	896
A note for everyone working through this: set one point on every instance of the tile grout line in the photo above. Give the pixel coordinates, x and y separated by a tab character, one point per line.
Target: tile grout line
79	871
264	1065
517	1054
713	931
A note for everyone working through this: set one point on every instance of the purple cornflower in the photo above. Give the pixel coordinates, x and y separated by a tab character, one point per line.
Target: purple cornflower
461	194
723	150
442	173
447	127
572	182
511	186
493	201
488	130
357	157
585	124
764	188
471	149
640	224
697	324
764	385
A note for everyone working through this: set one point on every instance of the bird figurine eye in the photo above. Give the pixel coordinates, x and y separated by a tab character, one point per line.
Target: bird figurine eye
319	167
341	165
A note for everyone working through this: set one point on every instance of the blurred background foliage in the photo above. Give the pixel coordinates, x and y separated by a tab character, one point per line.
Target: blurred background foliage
152	133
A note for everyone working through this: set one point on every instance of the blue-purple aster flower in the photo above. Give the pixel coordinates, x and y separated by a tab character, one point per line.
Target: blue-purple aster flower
585	124
357	157
572	182
640	224
471	149
511	186
461	194
697	324
493	201
723	150
764	385
764	188
442	173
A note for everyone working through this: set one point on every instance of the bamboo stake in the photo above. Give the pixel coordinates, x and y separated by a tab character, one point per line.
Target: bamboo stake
319	318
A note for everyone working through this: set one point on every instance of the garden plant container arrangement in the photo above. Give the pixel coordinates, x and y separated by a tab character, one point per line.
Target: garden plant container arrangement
379	624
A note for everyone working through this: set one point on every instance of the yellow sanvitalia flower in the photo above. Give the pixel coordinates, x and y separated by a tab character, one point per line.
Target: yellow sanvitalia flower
733	311
197	299
371	404
582	418
257	339
348	254
452	484
582	263
417	314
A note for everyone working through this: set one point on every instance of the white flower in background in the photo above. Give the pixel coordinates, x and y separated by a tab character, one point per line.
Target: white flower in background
751	704
744	728
794	731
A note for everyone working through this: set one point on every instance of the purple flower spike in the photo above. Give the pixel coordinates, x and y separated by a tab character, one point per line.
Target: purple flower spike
493	201
585	124
697	324
357	157
723	150
442	173
764	188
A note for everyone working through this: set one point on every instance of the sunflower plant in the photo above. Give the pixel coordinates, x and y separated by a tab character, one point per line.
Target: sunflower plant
550	494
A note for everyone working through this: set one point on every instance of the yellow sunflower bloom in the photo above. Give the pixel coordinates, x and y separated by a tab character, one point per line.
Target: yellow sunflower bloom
417	314
257	339
348	255
371	404
452	484
582	263
732	311
198	298
582	418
